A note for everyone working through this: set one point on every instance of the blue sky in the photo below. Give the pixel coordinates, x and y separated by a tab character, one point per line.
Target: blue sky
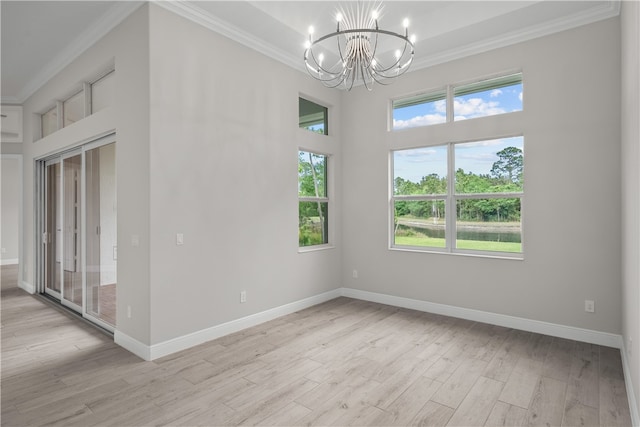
477	157
480	104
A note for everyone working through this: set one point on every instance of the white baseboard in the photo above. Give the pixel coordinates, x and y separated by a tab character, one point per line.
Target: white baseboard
561	331
191	340
199	337
27	287
10	261
133	345
633	403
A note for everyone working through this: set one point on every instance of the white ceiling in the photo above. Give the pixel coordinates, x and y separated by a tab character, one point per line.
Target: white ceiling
39	38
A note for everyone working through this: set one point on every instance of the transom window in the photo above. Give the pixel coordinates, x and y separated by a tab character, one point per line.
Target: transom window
459	197
313	117
454	103
92	98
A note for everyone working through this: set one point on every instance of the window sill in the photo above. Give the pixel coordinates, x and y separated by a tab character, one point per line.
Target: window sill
478	254
305	249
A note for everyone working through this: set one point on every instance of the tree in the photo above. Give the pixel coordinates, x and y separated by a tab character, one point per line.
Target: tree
508	167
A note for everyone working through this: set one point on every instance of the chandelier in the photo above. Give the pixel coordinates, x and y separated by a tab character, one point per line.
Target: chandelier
358	51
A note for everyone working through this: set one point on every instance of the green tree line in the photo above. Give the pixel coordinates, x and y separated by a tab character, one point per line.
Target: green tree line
506	176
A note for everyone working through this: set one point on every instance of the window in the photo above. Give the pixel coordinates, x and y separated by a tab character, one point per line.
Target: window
73	108
420	110
488	97
88	100
50	121
313	117
313	200
102	92
460	197
480	99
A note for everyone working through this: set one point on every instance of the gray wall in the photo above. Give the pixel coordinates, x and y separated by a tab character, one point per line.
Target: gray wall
630	17
224	162
571	220
11	199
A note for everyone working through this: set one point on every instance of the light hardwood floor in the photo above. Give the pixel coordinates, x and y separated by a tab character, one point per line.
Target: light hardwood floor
344	362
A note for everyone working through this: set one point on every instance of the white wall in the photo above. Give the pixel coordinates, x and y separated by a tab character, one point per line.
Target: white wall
11	181
224	141
571	222
128	47
630	18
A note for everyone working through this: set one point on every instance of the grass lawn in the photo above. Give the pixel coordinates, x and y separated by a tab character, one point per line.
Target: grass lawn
423	241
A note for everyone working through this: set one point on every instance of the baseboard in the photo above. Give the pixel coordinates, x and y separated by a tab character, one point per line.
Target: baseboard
11	261
633	403
561	331
133	345
27	287
190	340
196	338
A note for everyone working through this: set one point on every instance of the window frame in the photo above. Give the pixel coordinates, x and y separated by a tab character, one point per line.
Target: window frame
327	198
451	199
450	92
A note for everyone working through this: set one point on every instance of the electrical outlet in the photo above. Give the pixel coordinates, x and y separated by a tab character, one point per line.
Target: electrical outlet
589	306
243	296
355	274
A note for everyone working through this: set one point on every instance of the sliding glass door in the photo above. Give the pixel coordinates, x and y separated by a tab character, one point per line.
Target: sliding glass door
101	219
79	230
71	245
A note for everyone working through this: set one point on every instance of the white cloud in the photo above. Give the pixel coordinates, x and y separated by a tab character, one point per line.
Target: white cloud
520	96
495	92
426	120
475	107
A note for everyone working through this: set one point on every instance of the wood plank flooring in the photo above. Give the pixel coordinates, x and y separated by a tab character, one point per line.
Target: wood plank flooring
344	362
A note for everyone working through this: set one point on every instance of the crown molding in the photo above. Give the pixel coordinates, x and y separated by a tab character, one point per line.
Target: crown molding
189	10
605	11
116	14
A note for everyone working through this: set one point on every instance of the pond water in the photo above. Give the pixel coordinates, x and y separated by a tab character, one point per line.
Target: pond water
489	234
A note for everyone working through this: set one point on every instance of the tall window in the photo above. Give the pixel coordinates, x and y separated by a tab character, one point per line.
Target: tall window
490	97
313	200
460	197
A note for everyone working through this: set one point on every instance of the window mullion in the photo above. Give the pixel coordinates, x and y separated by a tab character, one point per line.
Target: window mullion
450	213
450	116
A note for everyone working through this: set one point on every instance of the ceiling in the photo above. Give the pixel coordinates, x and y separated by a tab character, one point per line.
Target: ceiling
39	38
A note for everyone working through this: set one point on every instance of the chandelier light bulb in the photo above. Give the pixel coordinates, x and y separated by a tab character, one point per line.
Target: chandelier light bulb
374	15
320	58
398	54
311	30
412	39
339	17
405	23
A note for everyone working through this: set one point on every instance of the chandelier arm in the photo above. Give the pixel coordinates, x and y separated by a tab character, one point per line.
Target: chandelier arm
397	63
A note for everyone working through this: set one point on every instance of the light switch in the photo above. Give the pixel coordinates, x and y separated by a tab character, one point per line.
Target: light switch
179	239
